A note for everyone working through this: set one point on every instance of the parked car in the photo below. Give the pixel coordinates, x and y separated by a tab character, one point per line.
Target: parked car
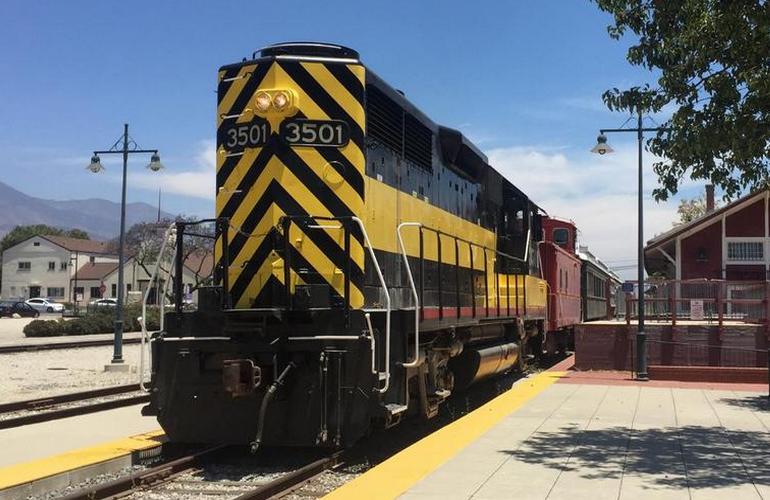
9	308
105	303
45	305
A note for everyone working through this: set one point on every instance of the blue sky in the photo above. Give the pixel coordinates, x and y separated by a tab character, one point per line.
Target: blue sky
522	79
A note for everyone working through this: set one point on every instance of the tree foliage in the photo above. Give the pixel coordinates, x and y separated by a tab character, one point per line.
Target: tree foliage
690	209
21	233
713	62
145	239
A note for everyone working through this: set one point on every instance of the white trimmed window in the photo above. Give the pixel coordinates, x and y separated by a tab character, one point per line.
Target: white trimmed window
746	251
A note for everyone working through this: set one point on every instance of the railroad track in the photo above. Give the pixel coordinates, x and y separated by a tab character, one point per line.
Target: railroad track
176	479
11	349
50	408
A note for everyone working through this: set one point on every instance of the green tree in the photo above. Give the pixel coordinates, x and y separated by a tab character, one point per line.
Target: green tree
712	62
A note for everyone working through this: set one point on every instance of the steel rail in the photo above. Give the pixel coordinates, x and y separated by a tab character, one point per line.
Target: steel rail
292	480
154	476
11	349
39	403
43	403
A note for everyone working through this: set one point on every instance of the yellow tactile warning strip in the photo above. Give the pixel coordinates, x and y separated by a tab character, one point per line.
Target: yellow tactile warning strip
23	473
401	471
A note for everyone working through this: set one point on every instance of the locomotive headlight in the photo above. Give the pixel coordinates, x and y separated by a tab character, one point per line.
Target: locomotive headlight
281	100
262	102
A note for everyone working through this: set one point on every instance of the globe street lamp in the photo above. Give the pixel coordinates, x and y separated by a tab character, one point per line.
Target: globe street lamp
602	147
125	146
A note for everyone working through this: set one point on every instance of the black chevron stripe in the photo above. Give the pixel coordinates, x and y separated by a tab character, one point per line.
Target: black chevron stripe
320	238
325	243
225	85
252	174
296	260
321	97
252	84
255	215
239	286
341	164
348	80
312	182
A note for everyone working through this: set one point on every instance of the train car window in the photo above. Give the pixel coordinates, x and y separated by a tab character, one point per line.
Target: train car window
561	236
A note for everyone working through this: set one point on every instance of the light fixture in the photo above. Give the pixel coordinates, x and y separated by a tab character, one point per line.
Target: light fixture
262	101
96	164
601	145
281	101
155	163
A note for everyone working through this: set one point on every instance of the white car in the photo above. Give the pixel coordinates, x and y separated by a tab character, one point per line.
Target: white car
106	303
45	305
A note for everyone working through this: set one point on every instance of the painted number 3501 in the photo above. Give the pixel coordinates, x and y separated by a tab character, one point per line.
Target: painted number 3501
315	132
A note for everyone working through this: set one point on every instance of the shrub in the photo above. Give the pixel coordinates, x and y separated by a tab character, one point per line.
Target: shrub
42	328
94	322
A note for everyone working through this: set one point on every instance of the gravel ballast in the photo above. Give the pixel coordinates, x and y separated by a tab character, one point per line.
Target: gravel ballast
31	375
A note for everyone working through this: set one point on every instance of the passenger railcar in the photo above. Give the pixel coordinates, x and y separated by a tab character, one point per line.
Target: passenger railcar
369	263
598	287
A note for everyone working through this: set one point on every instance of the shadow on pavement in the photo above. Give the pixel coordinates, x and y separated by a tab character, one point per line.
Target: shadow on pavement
753	402
671	458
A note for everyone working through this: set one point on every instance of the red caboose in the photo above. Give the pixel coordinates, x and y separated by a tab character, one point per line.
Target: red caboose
561	269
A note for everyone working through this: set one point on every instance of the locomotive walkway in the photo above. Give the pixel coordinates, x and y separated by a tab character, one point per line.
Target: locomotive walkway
573	435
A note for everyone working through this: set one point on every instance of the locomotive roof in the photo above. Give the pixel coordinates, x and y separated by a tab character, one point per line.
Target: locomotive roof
455	147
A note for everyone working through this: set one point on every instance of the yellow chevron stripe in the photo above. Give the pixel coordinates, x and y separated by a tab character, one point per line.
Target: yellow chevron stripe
230	186
312	111
275	169
320	261
359	71
337	91
233	92
268	221
259	279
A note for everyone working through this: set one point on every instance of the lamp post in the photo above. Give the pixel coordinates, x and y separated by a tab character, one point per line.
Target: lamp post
125	146
602	147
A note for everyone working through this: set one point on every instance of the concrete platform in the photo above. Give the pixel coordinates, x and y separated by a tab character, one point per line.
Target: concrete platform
35	452
592	439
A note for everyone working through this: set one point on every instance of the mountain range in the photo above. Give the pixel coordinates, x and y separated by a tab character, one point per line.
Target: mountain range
99	218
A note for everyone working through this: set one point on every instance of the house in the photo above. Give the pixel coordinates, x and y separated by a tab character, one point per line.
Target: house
43	266
94	277
728	243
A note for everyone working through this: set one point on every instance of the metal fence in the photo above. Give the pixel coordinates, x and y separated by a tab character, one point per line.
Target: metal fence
708	300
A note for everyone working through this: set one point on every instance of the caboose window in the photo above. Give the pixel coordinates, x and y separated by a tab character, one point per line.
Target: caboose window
560	236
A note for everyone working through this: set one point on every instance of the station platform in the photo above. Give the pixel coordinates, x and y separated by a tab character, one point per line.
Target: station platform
572	435
49	455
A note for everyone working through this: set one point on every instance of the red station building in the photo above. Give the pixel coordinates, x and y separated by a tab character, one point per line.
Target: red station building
728	243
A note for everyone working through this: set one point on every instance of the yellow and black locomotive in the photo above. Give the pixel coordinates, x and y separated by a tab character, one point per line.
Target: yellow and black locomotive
368	263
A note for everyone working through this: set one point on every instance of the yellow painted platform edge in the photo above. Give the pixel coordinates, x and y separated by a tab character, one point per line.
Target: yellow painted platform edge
401	471
34	470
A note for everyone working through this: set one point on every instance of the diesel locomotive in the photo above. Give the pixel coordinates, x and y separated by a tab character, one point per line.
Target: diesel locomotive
369	262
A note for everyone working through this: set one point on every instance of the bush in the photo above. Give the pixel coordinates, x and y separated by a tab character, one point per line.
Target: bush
97	321
42	328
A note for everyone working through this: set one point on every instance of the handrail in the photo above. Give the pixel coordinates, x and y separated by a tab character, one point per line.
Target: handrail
142	320
416	361
387	302
369	246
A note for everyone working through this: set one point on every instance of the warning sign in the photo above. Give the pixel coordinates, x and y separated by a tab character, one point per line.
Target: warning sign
696	309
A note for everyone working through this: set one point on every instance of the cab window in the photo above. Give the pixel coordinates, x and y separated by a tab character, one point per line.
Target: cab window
560	236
